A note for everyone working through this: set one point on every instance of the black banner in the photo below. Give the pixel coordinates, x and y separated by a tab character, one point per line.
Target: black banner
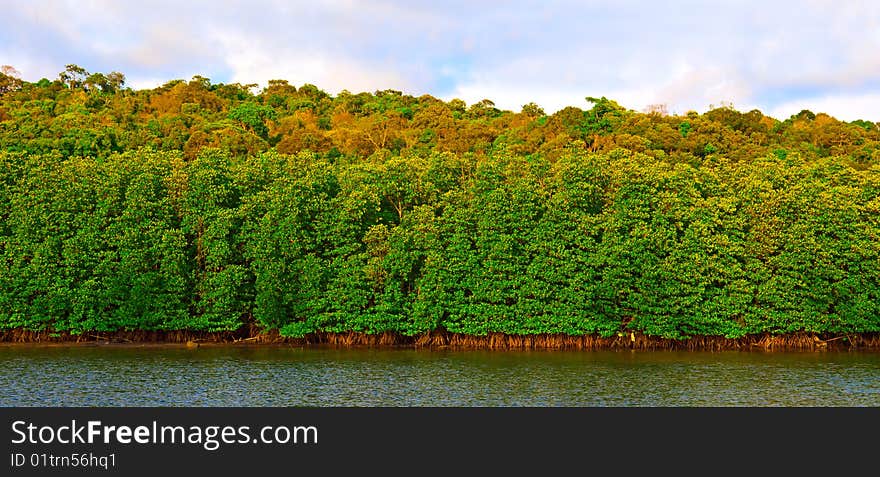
456	441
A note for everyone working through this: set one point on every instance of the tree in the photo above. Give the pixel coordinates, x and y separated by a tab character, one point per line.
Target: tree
484	108
96	82
278	92
73	76
10	79
603	117
658	109
115	80
253	117
532	110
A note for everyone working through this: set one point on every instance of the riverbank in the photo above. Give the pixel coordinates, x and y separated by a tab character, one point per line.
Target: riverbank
440	340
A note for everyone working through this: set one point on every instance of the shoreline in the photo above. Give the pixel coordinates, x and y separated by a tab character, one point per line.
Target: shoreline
446	340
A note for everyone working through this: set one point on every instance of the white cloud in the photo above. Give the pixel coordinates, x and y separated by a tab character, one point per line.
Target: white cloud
550	99
846	107
687	54
252	61
701	88
146	83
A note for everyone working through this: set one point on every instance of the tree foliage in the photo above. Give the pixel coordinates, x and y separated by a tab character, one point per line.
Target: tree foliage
206	206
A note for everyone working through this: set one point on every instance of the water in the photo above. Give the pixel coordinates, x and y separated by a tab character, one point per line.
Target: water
285	376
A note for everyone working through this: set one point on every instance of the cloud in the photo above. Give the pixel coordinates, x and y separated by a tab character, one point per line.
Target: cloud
140	39
845	107
687	54
253	62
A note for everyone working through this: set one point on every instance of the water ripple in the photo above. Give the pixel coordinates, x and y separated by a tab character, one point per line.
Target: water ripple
280	376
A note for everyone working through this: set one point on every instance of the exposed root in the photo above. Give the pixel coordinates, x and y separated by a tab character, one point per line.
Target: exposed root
442	339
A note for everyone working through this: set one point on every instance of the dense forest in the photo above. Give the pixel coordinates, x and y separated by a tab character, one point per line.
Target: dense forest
212	207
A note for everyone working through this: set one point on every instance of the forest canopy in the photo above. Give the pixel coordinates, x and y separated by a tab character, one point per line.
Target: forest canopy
209	207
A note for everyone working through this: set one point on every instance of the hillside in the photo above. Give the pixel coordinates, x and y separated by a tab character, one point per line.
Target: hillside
211	207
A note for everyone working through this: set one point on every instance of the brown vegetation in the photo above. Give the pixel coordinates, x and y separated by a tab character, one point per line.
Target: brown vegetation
446	340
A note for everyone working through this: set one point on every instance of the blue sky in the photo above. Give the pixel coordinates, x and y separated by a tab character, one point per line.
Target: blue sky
778	56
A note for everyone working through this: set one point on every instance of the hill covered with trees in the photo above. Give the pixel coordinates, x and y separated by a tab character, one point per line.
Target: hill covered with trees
216	207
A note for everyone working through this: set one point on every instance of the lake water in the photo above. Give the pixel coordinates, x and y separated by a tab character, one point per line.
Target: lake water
285	376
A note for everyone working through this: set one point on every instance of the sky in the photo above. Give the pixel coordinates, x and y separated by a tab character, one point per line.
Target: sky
778	56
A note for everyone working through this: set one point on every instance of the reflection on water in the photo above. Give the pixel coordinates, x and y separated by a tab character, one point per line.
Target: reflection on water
282	376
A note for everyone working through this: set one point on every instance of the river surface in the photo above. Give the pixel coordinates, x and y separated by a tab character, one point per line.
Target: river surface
285	376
